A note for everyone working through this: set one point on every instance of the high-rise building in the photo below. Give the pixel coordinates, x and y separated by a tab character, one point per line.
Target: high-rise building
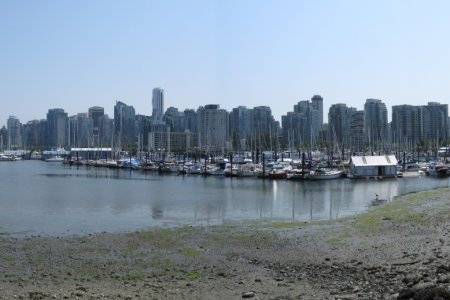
295	130
3	138
84	131
14	133
32	136
124	125
304	125
375	123
95	113
240	126
264	131
406	125
213	128
317	106
190	120
434	126
106	131
57	128
158	102
357	136
174	119
143	125
339	120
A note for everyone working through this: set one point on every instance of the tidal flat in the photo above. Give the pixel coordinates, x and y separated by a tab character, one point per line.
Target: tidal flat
398	250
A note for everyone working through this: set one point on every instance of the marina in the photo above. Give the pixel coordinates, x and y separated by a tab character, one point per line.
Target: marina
41	198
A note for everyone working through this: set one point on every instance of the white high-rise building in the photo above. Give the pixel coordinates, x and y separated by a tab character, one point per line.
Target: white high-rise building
158	102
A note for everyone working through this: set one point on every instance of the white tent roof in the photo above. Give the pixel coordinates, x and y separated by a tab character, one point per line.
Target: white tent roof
370	161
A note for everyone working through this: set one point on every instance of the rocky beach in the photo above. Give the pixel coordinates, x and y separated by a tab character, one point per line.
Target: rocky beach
397	250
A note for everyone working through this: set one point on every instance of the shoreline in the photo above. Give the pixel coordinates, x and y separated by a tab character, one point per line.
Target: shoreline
395	249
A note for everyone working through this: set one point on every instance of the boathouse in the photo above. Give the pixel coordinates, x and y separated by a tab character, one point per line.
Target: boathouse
373	166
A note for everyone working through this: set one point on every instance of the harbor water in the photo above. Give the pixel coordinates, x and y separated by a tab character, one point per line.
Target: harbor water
41	198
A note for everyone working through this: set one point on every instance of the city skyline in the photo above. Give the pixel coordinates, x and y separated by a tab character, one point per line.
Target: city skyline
109	111
78	55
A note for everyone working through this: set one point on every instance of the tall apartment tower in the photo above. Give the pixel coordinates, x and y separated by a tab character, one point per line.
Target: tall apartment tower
317	105
190	120
95	113
406	125
339	119
124	125
303	125
57	128
434	126
213	124
357	136
85	129
375	122
240	126
158	102
14	133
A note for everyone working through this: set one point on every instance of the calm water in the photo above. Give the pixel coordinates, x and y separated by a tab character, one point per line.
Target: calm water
52	199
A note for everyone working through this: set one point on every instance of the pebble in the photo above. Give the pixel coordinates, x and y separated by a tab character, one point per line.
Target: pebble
248	295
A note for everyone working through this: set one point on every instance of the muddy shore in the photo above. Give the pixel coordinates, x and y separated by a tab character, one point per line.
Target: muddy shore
398	250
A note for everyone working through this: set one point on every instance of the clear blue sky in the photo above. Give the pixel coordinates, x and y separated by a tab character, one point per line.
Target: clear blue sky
77	54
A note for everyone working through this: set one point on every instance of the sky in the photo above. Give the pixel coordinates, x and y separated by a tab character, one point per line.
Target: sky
78	54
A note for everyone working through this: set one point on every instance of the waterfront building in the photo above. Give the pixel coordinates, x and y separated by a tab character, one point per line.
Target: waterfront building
14	128
213	128
95	113
373	166
57	128
375	123
124	125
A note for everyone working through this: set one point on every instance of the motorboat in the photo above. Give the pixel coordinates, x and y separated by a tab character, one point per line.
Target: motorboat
55	158
324	174
438	170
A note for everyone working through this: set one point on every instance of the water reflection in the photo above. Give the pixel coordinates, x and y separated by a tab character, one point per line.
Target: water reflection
37	198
